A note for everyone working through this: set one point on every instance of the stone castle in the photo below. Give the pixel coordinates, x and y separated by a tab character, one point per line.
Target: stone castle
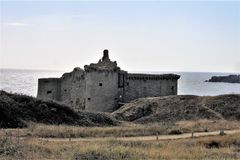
103	86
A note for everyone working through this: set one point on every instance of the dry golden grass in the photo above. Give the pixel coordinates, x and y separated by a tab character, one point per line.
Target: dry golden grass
65	131
125	130
12	146
228	147
204	125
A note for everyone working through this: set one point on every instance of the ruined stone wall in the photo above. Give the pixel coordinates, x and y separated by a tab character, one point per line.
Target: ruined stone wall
102	91
73	89
69	89
147	85
49	88
103	86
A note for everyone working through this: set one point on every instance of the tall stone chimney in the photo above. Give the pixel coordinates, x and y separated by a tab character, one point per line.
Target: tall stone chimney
105	55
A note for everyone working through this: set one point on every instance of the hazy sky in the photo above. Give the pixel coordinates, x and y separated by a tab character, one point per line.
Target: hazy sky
141	36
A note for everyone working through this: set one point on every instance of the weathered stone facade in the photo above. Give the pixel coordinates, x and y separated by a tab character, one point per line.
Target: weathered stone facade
103	86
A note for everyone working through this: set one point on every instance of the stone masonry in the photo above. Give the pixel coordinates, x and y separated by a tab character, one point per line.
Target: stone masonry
103	86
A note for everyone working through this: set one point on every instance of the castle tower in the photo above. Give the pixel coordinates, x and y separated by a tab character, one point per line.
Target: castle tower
102	92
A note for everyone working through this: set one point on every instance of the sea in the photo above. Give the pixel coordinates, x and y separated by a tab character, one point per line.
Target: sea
190	83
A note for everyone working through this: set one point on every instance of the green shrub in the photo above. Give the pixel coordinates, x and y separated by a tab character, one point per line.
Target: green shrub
10	149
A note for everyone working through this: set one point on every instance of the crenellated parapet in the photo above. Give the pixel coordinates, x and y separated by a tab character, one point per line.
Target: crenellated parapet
135	76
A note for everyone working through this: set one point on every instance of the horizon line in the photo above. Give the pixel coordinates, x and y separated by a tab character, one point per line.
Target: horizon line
130	71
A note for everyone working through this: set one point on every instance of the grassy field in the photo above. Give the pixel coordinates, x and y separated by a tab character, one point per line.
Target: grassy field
13	146
124	130
155	117
217	147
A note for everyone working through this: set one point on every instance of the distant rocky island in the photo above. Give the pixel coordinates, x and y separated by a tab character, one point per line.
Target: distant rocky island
227	79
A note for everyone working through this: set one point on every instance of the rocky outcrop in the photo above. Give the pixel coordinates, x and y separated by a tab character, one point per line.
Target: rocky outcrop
182	107
227	79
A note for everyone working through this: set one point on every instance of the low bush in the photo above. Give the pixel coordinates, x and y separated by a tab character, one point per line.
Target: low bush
10	149
18	110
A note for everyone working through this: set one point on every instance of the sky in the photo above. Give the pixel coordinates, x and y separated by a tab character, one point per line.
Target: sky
195	36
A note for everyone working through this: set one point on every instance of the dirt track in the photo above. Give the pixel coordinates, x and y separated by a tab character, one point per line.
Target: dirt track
144	138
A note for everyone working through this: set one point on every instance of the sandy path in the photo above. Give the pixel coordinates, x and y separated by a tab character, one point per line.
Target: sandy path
144	138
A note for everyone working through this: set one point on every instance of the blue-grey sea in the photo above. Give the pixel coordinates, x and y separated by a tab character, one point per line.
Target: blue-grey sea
25	82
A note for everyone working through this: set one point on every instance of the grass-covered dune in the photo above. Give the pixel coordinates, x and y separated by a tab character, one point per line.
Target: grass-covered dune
179	108
18	110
